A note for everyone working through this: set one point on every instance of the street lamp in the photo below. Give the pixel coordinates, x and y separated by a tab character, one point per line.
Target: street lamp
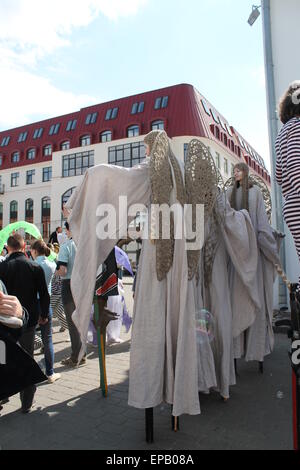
254	15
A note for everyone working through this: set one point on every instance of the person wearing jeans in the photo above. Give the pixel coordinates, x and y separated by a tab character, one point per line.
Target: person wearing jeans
65	262
40	252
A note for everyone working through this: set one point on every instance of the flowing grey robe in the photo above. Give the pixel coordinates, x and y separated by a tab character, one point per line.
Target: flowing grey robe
236	243
258	341
163	359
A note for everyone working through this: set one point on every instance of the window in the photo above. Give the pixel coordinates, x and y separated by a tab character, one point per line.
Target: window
91	118
133	131
1	160
46	212
31	154
85	141
14	180
38	133
225	140
29	210
111	114
158	125
229	130
222	124
215	117
54	129
226	166
161	102
218	160
66	196
217	132
22	137
15	158
77	163
106	136
65	145
232	145
5	141
13	212
71	126
232	169
47	174
138	108
47	151
127	155
30	177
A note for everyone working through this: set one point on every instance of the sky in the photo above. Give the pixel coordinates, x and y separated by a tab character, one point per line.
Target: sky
60	55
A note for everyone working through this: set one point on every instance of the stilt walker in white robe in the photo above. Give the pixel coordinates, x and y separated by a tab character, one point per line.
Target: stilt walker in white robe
230	238
258	340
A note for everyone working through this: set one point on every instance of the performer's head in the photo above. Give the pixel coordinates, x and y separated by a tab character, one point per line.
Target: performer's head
241	177
150	140
15	243
289	104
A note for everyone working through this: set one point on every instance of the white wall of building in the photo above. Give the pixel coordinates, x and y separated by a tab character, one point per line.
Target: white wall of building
285	16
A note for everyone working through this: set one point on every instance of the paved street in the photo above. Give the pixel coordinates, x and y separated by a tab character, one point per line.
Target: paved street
72	414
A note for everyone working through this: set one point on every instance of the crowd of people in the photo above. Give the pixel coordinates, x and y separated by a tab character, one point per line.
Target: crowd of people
229	282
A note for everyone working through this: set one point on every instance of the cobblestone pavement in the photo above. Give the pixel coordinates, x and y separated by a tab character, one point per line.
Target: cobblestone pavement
72	414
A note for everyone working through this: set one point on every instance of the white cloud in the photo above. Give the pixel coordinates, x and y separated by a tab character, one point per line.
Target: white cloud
33	29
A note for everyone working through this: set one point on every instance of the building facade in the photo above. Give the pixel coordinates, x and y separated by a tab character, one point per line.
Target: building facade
42	163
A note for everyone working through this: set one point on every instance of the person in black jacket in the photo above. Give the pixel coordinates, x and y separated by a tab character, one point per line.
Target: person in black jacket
26	280
17	369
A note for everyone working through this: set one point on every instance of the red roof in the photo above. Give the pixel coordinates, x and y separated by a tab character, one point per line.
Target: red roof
184	115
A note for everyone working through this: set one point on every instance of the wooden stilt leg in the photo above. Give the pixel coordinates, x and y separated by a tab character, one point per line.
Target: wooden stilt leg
261	367
101	351
149	425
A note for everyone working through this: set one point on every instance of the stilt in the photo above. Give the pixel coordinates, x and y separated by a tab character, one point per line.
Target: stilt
175	422
149	425
261	367
236	367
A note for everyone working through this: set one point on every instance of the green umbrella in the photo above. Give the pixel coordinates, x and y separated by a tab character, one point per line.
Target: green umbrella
5	233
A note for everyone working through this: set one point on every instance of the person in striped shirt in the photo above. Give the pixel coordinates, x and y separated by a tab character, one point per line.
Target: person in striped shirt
288	160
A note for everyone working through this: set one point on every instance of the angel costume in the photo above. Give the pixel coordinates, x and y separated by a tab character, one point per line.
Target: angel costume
258	341
164	355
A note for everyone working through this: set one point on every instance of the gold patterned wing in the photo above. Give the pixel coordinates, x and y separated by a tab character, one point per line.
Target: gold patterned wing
201	176
201	184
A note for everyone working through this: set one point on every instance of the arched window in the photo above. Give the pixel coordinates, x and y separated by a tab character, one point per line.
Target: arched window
133	131
85	141
65	145
29	210
15	158
13	212
46	214
1	215
47	151
65	197
225	140
158	125
106	136
31	154
217	132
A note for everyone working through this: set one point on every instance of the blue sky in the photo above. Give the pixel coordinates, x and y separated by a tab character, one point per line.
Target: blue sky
67	54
